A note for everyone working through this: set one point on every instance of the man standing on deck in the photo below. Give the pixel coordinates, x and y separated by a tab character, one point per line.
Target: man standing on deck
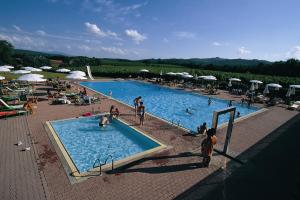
207	146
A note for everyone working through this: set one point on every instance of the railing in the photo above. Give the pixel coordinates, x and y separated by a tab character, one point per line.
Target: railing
98	161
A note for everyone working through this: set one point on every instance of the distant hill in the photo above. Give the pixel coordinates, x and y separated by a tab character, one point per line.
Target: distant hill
208	61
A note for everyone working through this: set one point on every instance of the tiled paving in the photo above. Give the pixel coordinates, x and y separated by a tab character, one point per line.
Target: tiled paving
19	176
163	176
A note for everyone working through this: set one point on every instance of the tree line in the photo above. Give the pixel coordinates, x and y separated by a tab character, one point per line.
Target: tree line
19	58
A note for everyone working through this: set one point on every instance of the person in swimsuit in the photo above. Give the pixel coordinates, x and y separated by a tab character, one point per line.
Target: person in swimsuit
207	146
136	103
103	121
209	101
141	113
202	129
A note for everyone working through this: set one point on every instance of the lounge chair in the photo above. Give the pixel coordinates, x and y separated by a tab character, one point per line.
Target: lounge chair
12	113
11	107
295	106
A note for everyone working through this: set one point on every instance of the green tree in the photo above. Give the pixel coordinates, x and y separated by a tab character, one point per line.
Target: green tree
6	51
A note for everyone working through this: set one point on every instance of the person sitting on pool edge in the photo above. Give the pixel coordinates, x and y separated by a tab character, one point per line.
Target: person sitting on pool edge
103	120
141	113
202	129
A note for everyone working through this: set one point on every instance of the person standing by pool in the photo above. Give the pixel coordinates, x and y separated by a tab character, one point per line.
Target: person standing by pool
136	103
230	103
202	129
209	101
207	146
141	112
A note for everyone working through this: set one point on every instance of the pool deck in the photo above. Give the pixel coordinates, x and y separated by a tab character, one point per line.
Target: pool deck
39	173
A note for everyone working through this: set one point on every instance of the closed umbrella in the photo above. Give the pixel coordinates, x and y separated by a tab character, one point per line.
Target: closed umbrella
252	88
161	73
266	90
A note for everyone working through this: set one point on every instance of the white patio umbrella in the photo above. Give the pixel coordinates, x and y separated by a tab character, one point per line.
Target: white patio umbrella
187	76
21	72
235	79
4	69
7	66
31	78
256	81
75	77
178	74
144	70
210	78
185	73
32	69
63	70
2	78
81	73
171	73
293	88
274	85
46	67
38	75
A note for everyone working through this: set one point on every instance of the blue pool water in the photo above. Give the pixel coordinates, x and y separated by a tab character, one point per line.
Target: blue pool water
86	142
169	104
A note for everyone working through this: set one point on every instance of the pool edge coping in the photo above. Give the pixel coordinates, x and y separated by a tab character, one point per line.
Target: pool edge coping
69	165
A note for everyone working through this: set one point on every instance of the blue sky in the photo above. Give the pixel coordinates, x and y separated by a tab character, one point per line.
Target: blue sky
251	29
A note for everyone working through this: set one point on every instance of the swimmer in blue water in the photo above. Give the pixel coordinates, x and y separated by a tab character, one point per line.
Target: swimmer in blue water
188	111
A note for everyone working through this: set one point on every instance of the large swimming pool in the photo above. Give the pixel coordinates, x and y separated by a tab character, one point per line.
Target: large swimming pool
169	104
85	142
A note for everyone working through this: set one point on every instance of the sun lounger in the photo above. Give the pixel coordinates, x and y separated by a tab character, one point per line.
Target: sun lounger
295	106
12	113
9	107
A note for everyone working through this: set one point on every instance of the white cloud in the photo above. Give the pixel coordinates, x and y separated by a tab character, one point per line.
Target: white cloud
243	51
40	32
84	48
216	44
115	50
185	35
135	35
93	28
17	28
165	40
294	53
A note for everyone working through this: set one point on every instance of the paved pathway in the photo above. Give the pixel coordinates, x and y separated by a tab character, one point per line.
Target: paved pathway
19	177
163	176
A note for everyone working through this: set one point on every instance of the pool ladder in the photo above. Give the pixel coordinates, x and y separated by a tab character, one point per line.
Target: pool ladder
98	161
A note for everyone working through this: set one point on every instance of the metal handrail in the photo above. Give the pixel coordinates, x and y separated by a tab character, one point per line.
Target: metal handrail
101	164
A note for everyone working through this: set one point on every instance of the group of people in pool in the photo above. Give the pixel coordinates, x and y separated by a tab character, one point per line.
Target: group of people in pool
107	118
139	108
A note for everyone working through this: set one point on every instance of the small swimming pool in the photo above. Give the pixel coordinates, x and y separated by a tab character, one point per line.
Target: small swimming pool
85	142
169	104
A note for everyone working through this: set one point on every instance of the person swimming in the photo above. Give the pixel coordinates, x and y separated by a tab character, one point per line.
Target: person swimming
209	101
188	111
103	121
